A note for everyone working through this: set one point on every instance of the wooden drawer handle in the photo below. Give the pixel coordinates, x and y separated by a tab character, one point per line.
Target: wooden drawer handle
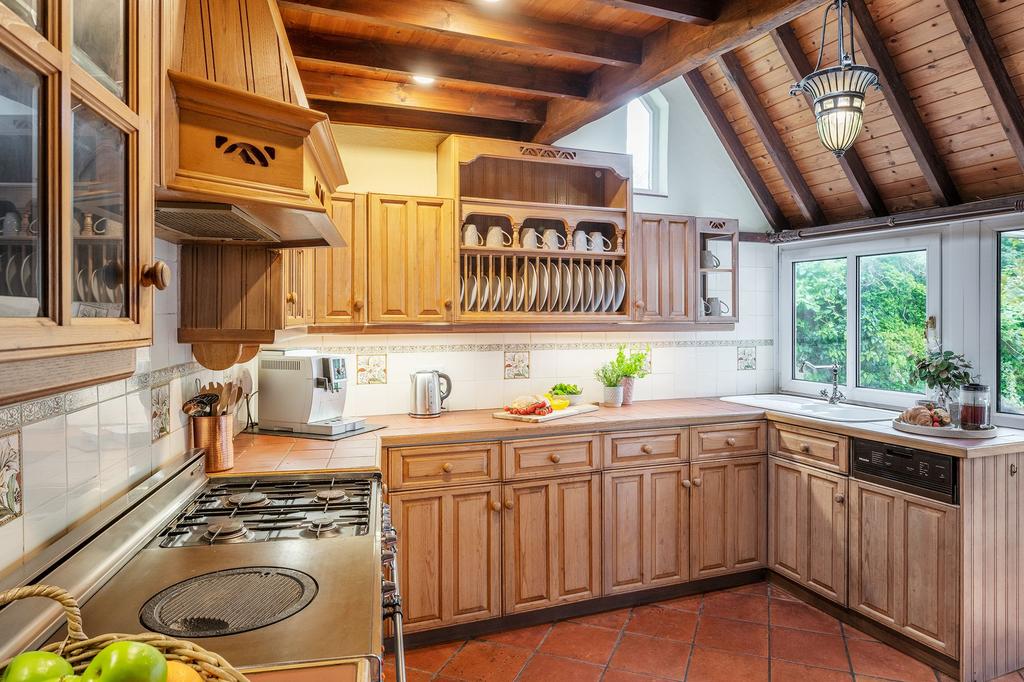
447	467
555	459
840	498
646	449
495	506
687	483
730	441
508	504
698	482
157	275
805	448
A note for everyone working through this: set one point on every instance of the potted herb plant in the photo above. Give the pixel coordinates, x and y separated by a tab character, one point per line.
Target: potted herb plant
944	372
571	391
609	376
632	366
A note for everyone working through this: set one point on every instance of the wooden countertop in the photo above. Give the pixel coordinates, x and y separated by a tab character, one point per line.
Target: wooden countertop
281	454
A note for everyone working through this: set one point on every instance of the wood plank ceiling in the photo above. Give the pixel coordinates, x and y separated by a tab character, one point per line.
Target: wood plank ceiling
947	129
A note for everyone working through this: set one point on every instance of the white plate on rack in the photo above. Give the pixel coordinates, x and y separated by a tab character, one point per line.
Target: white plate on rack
26	276
554	286
609	288
520	291
542	287
12	275
577	289
598	303
470	291
82	286
462	292
531	287
510	293
620	286
588	289
496	292
482	291
566	295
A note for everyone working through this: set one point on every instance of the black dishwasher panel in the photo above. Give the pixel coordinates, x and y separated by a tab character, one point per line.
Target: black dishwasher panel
927	474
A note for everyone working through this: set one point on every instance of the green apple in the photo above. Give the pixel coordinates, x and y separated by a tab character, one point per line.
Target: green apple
127	662
36	666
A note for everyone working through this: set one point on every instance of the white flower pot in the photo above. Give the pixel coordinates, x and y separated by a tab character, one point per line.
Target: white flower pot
612	396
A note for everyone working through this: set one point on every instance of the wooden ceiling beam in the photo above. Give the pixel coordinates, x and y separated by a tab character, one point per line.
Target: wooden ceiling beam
671	51
737	152
411	119
990	67
901	103
385	58
339	88
701	12
793	54
495	25
772	140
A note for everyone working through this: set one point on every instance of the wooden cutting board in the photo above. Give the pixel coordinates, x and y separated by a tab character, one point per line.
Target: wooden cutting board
572	411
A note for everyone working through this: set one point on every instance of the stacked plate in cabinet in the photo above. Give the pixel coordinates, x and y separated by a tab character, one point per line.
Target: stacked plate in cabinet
543	285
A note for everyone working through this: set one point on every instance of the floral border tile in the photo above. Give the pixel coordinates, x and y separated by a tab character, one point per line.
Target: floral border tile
11	505
372	369
161	414
517	364
38	410
746	358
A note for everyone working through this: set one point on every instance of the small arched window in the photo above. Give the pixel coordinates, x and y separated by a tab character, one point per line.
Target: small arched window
645	139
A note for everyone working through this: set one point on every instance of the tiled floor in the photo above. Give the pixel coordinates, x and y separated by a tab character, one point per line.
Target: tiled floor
747	634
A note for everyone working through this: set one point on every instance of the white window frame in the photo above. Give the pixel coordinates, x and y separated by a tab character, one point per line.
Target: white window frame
931	243
657	105
988	307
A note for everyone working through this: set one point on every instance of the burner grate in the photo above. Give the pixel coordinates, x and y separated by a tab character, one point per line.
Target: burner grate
228	602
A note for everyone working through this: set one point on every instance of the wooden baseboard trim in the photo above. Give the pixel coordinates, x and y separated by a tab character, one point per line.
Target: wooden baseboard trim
940	662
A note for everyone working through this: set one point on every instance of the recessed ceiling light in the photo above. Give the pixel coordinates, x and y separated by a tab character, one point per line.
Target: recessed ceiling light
492	0
424	80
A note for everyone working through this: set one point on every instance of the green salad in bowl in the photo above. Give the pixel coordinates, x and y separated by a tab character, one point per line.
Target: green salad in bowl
571	391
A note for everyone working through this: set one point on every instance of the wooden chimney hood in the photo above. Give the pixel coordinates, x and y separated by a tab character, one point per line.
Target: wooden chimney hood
242	155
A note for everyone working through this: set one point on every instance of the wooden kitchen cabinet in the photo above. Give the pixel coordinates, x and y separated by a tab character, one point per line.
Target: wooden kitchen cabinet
807	527
551	537
716	262
662	255
340	273
728	440
410	258
450	555
728	506
904	563
646	527
809	446
298	286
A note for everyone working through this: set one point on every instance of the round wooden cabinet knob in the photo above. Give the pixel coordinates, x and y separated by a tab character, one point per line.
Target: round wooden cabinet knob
687	483
447	467
157	275
357	306
555	459
495	506
646	449
292	297
508	504
730	441
640	305
805	448
448	304
840	498
698	482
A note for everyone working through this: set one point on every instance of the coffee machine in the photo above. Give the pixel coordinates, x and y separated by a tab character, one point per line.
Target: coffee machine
303	391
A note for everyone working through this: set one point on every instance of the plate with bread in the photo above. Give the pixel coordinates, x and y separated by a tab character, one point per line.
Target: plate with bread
931	420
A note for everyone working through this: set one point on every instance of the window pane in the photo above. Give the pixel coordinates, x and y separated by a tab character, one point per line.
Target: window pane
639	142
100	41
893	311
28	10
22	222
1011	322
819	316
98	231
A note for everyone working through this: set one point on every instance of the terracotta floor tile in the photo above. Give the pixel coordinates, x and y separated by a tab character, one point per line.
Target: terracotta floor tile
609	619
689	603
542	668
307	444
784	671
431	658
527	638
736	606
759	588
640	654
625	676
800	616
486	662
853	633
780	593
666	623
737	636
582	642
292	464
710	665
811	648
411	675
881	660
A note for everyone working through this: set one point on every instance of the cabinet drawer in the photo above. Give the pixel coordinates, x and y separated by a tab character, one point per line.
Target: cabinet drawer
728	440
427	466
663	446
817	448
549	456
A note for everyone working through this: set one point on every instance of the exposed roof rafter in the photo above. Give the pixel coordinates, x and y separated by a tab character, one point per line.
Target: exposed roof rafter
702	12
411	119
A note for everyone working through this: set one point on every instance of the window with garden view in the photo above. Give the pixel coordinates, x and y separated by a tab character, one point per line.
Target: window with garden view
1011	322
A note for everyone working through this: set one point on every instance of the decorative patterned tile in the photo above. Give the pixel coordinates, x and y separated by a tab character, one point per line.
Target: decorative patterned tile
160	417
38	410
83	397
372	369
746	358
517	364
10	417
10	477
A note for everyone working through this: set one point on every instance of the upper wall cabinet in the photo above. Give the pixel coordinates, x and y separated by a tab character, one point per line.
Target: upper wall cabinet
717	266
662	255
340	273
76	200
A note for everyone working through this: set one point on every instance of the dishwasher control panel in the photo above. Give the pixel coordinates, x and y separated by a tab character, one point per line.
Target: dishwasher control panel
908	469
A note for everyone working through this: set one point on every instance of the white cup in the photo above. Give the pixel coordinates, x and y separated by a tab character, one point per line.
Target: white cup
496	237
598	242
715	307
709	261
553	239
529	238
471	236
580	241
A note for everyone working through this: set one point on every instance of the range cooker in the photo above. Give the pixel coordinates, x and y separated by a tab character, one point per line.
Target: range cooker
268	572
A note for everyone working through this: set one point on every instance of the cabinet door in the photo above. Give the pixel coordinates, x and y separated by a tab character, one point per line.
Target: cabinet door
662	258
552	542
874	561
716	263
727	516
340	273
450	555
298	291
411	259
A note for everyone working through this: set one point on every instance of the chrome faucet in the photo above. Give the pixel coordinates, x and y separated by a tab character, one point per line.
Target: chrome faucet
836	395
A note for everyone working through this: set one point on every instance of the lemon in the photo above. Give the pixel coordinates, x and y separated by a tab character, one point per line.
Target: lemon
179	672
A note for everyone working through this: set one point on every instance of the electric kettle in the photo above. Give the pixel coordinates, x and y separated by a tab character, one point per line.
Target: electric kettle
426	395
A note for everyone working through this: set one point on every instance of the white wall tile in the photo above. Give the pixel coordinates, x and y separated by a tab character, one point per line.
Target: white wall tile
83	501
12	540
44	462
113	438
45	523
139	404
83	448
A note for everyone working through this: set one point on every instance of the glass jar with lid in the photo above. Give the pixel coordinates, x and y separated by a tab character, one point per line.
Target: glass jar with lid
975	407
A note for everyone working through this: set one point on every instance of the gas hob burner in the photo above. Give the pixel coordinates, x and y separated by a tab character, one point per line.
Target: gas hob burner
249	499
226	530
323	527
331	495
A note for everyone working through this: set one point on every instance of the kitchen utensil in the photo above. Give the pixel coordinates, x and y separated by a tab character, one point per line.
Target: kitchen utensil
570	411
553	239
588	289
531	286
542	286
462	291
599	243
497	237
200	405
609	288
302	391
471	292
484	288
566	293
426	397
520	292
11	222
598	302
529	239
577	289
975	407
96	287
709	261
620	287
554	286
82	286
471	235
509	291
715	307
100	226
580	241
495	301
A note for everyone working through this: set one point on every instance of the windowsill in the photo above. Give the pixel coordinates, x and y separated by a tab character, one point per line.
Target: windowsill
650	193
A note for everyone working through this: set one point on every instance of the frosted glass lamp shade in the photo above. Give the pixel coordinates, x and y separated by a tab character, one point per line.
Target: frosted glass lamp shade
838	94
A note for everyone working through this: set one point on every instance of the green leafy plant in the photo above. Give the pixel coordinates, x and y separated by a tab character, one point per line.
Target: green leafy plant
566	389
632	364
942	370
608	374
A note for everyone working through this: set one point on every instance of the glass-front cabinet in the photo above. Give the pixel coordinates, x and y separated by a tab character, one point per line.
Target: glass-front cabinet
717	268
76	183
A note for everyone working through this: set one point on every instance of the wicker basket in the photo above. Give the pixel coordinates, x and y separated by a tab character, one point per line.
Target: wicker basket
79	650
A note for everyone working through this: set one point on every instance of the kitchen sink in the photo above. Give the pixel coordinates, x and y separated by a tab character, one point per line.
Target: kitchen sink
809	407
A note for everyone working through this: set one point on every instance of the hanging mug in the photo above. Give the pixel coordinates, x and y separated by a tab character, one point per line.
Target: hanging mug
599	243
715	307
496	237
580	241
709	261
553	239
471	236
529	238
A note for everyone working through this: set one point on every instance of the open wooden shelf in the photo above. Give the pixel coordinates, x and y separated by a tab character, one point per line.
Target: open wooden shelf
543	253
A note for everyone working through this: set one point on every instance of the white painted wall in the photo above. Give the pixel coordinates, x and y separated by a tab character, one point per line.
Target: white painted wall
388	160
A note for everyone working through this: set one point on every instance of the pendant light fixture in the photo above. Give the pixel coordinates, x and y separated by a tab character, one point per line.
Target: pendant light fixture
837	92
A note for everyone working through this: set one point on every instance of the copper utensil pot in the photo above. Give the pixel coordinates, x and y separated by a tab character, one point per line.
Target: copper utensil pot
215	434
